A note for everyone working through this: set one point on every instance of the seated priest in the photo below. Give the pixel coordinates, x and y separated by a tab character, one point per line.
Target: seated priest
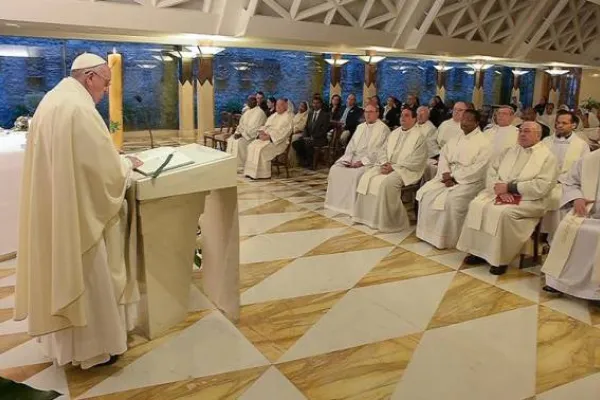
246	131
315	133
451	127
503	134
379	203
444	200
529	114
429	132
272	140
503	216
363	150
573	264
567	148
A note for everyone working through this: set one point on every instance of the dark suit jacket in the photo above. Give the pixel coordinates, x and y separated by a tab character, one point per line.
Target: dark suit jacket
392	117
353	118
317	131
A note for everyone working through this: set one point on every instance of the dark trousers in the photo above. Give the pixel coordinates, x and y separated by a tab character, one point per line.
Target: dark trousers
305	150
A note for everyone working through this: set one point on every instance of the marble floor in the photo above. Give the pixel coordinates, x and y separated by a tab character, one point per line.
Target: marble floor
332	310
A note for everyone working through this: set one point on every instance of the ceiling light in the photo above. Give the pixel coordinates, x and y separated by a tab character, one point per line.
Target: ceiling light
442	67
371	59
338	62
498	72
595	75
555	71
19	51
184	54
480	66
519	72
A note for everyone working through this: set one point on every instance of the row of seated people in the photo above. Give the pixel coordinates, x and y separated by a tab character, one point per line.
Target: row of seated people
488	195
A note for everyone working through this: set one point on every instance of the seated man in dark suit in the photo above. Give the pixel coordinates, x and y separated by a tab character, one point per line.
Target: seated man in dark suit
315	133
351	118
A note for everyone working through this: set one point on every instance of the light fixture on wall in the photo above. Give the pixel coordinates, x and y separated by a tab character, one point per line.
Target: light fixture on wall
480	66
556	71
337	62
519	72
184	54
146	66
206	50
162	58
442	67
371	59
470	72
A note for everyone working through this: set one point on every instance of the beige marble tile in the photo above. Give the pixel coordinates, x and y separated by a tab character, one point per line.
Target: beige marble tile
568	349
350	240
6	314
311	199
369	372
7	342
242	238
6	291
514	274
399	265
273	327
468	298
258	195
310	221
595	314
80	381
6	272
224	386
273	207
20	374
253	274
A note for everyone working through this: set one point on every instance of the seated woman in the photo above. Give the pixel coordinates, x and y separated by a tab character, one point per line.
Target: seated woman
335	108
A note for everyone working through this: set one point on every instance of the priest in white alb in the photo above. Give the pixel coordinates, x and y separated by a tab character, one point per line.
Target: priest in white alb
273	139
364	150
379	202
444	200
503	134
503	216
73	284
451	127
430	132
246	131
573	264
567	148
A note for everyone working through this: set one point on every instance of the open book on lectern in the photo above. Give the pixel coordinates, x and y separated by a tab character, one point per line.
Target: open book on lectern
161	159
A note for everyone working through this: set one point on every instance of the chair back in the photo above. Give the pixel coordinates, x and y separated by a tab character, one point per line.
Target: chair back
225	121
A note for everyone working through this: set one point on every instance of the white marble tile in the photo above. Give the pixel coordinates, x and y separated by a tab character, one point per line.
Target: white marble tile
12	263
346	220
298	200
10	280
491	358
311	206
209	347
587	388
272	385
327	213
7	302
452	260
573	307
244	205
198	301
257	224
52	378
365	229
277	246
421	248
317	274
9	327
285	194
528	288
397	237
482	273
28	353
386	311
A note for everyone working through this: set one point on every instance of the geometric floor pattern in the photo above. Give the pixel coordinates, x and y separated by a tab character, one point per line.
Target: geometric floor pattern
332	310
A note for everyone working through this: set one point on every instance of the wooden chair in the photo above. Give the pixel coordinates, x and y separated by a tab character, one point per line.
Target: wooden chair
411	190
326	152
537	257
283	160
226	118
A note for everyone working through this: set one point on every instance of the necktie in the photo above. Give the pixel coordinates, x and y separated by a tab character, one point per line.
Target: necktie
315	114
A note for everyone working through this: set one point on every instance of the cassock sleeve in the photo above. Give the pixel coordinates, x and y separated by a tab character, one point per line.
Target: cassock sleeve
572	184
443	165
538	187
476	171
280	130
492	170
417	158
253	124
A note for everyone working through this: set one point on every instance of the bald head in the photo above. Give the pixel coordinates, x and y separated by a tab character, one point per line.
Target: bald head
530	134
422	114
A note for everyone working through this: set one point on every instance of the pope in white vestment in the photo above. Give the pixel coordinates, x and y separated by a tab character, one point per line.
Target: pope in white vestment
364	150
567	148
72	280
246	131
379	201
273	139
444	200
503	134
573	264
496	227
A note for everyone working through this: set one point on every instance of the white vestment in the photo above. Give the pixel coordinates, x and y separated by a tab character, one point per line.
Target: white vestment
593	120
548	120
430	133
573	264
261	152
567	152
497	233
447	130
442	209
248	126
501	137
73	282
299	123
367	145
379	201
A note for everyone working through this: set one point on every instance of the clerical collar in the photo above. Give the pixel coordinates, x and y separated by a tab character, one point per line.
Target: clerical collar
565	137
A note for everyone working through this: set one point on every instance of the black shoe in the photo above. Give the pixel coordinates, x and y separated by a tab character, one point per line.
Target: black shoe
501	270
595	303
473	260
551	290
111	361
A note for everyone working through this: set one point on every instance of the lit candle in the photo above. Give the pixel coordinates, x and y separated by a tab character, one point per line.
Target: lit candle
115	98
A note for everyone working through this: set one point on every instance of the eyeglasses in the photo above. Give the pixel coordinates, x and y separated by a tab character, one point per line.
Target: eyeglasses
106	80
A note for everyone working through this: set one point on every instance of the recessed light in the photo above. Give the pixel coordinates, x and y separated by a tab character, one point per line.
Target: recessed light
13	25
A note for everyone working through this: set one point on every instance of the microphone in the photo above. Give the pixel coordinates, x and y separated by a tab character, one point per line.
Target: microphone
138	98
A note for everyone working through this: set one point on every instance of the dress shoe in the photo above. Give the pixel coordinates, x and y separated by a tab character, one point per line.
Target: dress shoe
473	260
500	270
111	361
551	290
